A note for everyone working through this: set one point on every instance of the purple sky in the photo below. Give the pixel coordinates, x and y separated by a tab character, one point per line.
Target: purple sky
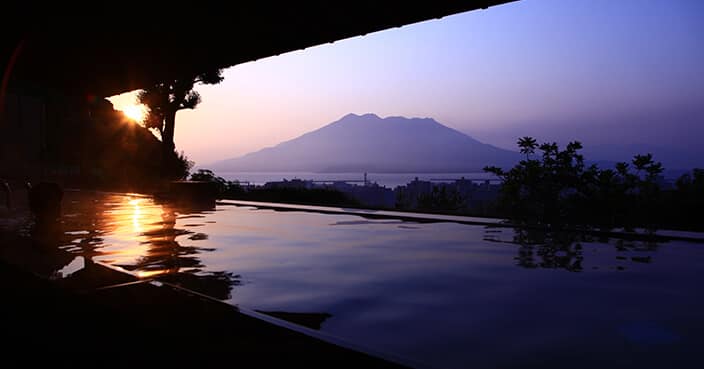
601	71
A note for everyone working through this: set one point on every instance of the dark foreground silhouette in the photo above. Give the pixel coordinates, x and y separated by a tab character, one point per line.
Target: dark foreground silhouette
45	202
310	320
45	323
556	189
315	196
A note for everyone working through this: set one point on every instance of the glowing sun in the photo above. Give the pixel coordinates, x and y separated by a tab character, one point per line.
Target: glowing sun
135	112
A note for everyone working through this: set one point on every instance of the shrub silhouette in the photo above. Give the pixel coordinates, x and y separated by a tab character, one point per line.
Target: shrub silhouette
556	189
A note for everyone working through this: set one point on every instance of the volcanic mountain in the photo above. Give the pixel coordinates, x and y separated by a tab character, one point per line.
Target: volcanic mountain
368	143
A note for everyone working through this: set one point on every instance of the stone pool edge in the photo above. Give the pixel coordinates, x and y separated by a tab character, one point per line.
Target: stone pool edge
122	292
659	235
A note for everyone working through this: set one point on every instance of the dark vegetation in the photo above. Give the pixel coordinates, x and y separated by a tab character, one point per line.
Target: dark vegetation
233	190
100	147
164	99
684	207
555	189
97	146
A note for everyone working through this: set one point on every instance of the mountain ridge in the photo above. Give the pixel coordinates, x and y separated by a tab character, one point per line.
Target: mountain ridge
370	143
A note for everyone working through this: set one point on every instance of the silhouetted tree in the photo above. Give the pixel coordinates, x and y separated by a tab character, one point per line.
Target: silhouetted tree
165	98
527	145
685	202
534	190
207	175
558	190
224	187
99	147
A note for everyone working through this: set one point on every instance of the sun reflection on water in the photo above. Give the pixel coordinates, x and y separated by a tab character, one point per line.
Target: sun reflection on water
136	215
150	273
135	233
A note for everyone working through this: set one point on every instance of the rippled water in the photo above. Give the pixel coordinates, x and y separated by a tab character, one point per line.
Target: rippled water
441	294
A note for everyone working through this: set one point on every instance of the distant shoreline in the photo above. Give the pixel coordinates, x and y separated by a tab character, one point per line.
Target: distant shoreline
336	172
388	179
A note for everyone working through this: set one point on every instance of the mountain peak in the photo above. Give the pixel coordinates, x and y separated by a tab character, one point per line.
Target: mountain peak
412	119
366	117
369	143
351	116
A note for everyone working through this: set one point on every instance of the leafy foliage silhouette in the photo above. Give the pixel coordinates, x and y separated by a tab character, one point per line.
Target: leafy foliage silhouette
557	189
164	99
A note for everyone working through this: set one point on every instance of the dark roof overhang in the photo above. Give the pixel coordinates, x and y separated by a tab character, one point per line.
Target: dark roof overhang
107	51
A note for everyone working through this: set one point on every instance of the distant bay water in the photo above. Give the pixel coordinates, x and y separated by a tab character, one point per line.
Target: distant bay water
390	180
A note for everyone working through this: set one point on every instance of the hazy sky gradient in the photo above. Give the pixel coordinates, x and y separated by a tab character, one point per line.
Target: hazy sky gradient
600	71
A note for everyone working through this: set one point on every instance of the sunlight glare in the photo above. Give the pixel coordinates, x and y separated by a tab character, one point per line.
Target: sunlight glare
136	216
135	112
149	273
